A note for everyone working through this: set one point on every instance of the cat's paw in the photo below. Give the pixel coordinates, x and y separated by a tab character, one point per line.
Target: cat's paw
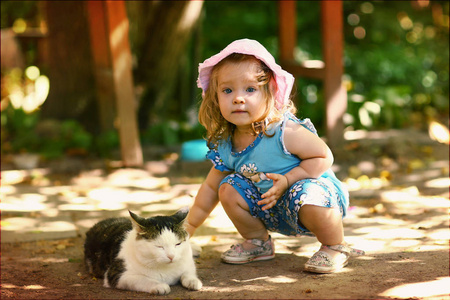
160	289
191	283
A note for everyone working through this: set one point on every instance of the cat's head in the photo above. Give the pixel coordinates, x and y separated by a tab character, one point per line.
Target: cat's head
161	238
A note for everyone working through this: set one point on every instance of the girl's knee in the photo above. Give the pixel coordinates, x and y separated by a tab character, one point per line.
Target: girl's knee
231	198
318	216
227	194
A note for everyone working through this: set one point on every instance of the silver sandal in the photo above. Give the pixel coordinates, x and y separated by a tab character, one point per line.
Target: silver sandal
322	262
237	255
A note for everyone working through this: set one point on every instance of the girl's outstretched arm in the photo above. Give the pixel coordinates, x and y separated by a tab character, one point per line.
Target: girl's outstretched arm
205	201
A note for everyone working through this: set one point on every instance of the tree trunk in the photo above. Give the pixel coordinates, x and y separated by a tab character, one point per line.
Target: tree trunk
166	31
72	88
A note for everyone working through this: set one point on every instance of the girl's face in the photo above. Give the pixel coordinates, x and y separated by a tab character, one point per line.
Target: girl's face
241	97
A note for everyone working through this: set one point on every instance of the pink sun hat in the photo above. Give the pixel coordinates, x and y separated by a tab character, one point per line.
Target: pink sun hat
284	80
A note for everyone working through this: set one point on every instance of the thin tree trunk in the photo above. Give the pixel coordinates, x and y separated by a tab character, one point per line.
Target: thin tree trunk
159	51
72	89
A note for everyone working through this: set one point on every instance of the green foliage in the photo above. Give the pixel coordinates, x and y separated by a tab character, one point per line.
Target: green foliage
24	132
18	131
396	70
106	142
399	66
401	63
13	10
171	133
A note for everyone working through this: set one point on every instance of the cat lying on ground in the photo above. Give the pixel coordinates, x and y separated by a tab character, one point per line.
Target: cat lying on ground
139	254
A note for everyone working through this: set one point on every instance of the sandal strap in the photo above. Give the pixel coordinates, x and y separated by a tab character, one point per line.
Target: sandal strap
257	242
345	249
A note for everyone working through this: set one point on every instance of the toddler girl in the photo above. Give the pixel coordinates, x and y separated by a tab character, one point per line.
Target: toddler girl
271	171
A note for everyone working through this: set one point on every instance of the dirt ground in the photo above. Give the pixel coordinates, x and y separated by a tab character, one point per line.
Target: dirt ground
403	226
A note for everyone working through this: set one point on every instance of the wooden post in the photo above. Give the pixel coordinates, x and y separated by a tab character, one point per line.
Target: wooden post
112	58
102	64
287	30
333	51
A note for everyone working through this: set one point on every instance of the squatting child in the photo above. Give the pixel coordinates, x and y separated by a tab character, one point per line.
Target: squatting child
271	171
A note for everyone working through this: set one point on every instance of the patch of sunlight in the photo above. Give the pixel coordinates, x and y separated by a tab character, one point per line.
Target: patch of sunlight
47	260
8	286
366	257
252	279
53	190
34	287
7	189
13	176
24	203
33	198
136	178
395	233
436	288
219	220
440	234
151	183
404	243
439	132
403	195
16	224
281	279
77	207
79	200
190	189
235	289
437	246
105	205
142	197
438	183
276	279
108	194
436	202
56	226
380	227
156	208
182	201
371	246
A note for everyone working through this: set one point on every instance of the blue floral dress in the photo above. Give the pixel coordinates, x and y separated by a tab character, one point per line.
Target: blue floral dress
269	155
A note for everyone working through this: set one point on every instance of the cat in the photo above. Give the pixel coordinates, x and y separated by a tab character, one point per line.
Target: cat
142	254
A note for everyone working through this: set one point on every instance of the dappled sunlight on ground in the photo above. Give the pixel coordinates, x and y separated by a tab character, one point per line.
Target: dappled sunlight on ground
439	289
398	215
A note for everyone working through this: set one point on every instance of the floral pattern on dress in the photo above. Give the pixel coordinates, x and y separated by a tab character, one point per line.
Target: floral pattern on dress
215	158
283	217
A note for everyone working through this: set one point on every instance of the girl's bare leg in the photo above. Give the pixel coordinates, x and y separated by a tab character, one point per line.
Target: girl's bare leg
238	211
325	223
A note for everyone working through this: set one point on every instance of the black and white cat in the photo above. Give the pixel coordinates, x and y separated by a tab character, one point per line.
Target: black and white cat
139	254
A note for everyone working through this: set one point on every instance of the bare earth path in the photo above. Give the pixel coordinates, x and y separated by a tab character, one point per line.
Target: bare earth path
398	215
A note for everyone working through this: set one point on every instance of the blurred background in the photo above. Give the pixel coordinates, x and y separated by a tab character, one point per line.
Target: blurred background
396	69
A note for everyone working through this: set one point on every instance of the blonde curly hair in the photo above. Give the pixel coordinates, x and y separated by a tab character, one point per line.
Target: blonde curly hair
217	128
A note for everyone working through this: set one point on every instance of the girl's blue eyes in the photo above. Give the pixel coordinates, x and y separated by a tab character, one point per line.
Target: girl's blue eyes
248	90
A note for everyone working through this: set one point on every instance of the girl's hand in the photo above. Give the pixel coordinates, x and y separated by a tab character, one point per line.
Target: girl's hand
280	185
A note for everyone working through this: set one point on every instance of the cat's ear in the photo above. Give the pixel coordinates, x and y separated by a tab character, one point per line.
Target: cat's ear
136	221
181	214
